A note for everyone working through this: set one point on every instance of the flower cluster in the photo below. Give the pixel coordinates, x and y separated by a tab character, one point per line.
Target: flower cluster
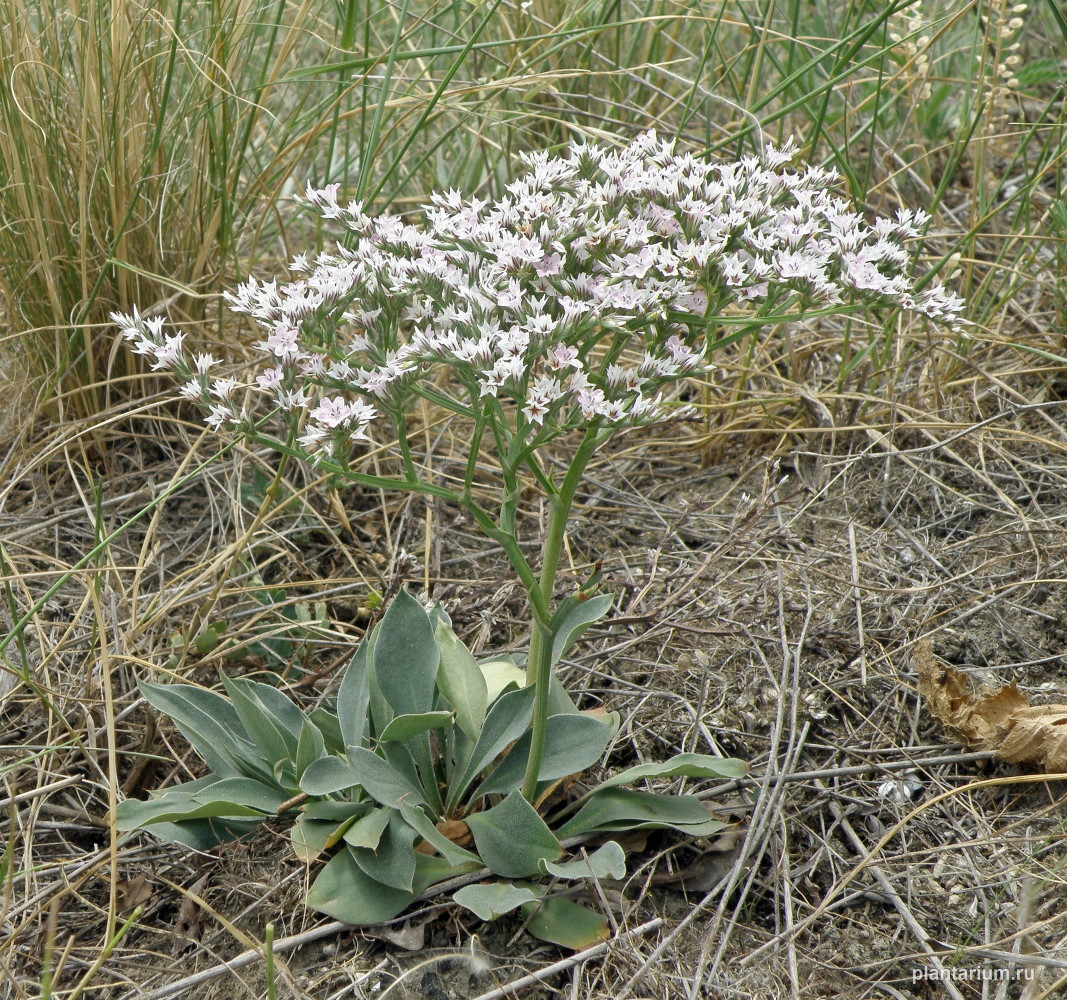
577	296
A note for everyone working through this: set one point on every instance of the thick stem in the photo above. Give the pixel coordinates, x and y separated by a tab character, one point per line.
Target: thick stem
539	661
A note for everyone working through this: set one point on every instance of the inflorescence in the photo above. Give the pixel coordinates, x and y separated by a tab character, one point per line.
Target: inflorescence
590	285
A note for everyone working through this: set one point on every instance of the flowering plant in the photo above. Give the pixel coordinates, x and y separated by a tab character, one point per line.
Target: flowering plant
567	307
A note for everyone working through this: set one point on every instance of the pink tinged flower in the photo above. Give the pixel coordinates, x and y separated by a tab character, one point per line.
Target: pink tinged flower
510	297
684	356
862	274
547	387
129	326
694	302
591	401
375	380
801	265
313	365
282	342
732	270
537	408
313	438
270	379
550	264
332	412
564	356
613	411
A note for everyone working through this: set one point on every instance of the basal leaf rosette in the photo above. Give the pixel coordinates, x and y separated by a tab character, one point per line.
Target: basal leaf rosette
412	777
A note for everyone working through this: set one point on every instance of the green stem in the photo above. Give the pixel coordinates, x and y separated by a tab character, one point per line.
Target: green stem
539	662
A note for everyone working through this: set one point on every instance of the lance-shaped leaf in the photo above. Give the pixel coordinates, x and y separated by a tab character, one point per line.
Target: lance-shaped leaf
259	707
367	831
403	727
618	809
345	892
424	826
494	899
512	839
573	618
328	775
506	722
461	681
327	724
270	700
381	780
309	748
208	721
336	811
353	698
565	923
501	676
607	861
406	657
230	797
572	743
205	834
310	837
688	765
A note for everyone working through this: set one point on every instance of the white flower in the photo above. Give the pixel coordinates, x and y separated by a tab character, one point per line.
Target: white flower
580	294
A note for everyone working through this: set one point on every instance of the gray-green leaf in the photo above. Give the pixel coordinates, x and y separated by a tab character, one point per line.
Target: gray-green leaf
424	826
608	861
404	727
573	619
618	809
494	899
345	892
689	765
208	721
367	831
461	681
406	657
353	698
572	743
309	748
512	839
505	723
392	861
381	780
328	775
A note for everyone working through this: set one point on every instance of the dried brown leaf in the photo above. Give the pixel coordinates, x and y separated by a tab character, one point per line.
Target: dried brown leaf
455	830
977	714
1036	735
410	937
133	892
187	929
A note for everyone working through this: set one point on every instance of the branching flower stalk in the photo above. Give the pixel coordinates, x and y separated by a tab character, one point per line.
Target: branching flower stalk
568	307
